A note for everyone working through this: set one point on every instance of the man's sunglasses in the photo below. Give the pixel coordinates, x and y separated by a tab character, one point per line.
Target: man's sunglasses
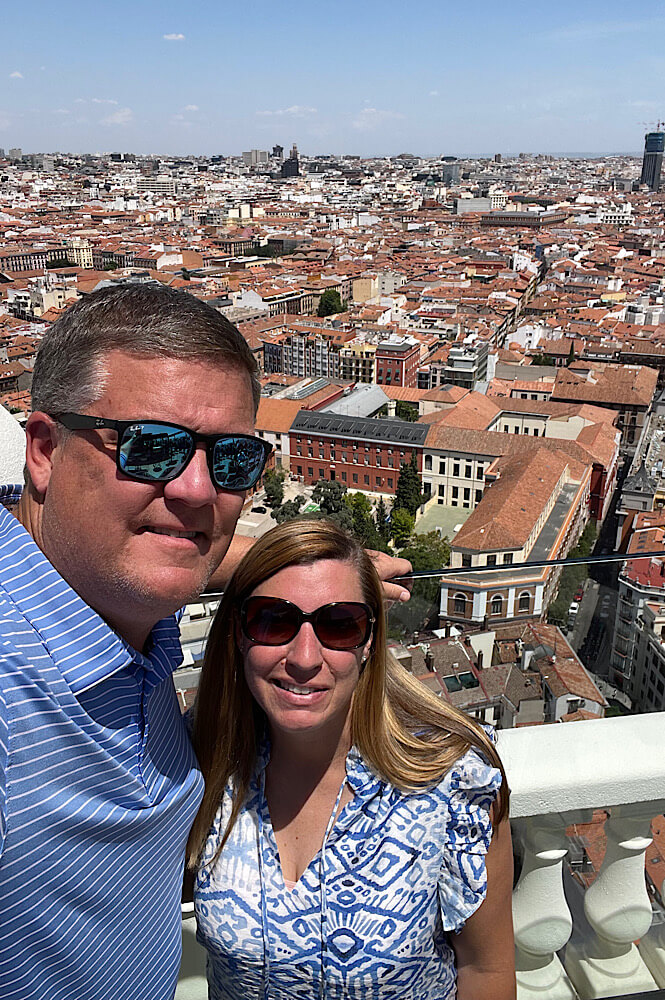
154	451
271	621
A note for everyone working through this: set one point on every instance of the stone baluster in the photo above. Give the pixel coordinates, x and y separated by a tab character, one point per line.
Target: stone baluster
603	960
541	916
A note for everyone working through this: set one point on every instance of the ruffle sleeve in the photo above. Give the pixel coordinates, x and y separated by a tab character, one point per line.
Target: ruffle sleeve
472	786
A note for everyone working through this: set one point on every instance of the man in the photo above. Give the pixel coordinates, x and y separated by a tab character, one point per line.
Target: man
139	451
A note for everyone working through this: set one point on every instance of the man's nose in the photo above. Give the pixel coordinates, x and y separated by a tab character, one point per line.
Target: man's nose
194	485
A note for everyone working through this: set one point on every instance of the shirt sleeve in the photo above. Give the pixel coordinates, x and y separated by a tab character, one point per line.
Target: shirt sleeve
4	756
472	786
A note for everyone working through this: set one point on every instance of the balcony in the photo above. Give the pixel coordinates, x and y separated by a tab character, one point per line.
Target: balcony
572	942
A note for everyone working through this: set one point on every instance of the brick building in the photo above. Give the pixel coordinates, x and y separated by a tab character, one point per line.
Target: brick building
363	454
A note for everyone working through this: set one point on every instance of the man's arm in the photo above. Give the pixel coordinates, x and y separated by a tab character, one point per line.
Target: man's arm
484	948
386	566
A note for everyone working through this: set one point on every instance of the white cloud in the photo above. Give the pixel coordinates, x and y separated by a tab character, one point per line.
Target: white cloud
103	100
191	107
604	29
16	75
174	37
434	93
61	111
295	111
79	100
123	116
371	118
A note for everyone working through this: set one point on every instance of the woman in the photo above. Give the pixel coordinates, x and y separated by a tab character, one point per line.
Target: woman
347	811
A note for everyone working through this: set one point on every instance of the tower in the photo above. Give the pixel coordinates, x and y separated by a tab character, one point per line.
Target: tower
654	146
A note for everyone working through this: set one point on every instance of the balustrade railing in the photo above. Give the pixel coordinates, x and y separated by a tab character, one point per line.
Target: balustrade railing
602	941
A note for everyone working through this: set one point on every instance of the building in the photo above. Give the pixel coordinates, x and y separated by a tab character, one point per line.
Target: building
535	507
652	161
396	360
628	389
255	157
637	662
291	166
466	364
362	453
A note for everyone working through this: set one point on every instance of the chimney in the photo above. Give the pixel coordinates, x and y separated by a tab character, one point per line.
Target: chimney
392	407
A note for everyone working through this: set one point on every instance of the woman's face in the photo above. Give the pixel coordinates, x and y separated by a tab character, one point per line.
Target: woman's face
303	686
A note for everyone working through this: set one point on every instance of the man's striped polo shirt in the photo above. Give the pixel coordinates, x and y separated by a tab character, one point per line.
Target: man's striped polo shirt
98	789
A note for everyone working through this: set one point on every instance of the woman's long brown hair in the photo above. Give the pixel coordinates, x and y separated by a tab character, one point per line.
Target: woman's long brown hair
404	732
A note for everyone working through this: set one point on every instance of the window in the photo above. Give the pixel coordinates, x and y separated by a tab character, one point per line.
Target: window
310	452
468	471
442	466
344	477
321	473
479	496
460	604
344	456
507	558
455	468
442	491
299	450
355	477
299	470
467	493
455	492
466	559
496	605
391	462
390	483
366	480
505	428
491	560
524	601
428	462
517	430
535	432
332	454
310	470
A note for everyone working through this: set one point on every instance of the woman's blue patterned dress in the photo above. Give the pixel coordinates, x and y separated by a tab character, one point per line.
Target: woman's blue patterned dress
368	919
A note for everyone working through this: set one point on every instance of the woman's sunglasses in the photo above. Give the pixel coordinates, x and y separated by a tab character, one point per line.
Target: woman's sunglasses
271	621
152	451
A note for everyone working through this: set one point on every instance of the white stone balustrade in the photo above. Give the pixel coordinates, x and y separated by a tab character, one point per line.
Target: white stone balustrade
558	774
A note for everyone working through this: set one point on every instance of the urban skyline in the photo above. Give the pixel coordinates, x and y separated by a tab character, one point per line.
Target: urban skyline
367	80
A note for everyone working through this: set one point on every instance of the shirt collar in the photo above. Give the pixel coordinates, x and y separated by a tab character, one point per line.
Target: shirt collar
85	649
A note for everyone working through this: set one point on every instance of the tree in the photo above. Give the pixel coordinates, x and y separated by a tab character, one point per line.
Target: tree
401	526
273	484
405	411
289	510
363	526
408	495
329	303
329	495
185	274
427	551
571	353
381	520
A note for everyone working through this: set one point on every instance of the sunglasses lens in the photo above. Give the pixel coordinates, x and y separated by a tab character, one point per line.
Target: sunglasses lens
273	622
238	462
270	621
151	451
343	625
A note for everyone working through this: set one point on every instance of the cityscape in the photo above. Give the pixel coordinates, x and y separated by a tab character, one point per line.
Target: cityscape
462	361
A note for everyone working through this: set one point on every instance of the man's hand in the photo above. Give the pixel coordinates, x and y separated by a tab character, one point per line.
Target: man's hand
388	567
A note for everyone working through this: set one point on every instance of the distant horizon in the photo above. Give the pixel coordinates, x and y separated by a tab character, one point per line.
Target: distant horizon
366	156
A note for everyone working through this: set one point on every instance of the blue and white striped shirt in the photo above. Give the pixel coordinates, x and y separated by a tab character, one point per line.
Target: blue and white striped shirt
98	789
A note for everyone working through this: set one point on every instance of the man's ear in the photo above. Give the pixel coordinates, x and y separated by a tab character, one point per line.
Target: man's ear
41	435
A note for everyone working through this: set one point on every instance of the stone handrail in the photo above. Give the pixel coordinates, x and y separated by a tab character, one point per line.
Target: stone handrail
558	775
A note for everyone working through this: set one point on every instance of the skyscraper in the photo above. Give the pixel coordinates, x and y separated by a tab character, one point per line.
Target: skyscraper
654	146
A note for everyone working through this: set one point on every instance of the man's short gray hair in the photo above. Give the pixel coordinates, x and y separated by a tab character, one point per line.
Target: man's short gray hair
145	320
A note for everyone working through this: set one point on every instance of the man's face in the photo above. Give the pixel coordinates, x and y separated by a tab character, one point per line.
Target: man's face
127	547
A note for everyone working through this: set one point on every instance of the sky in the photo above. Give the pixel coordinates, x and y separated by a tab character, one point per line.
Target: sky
351	76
